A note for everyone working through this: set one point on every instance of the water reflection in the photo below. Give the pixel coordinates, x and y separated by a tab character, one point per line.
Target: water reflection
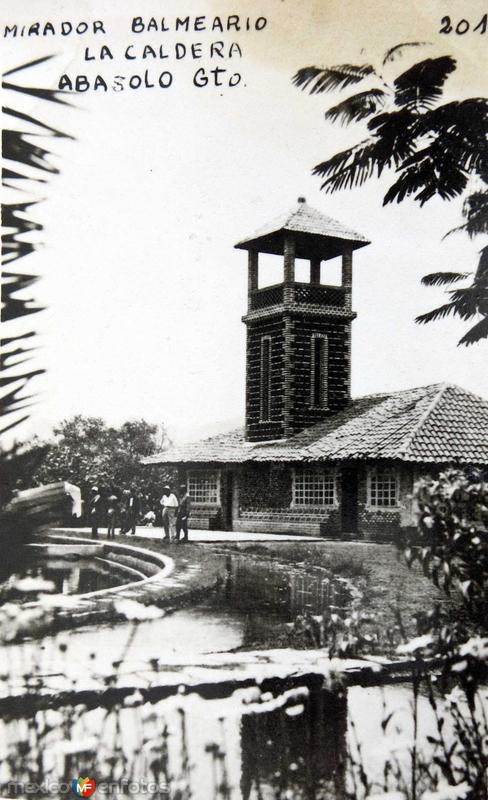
303	753
287	591
72	577
198	749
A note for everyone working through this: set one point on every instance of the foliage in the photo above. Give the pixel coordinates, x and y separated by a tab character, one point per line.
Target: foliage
453	537
432	149
89	452
27	163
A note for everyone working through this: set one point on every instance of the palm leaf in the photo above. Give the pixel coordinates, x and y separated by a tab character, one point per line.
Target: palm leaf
320	79
19	153
352	167
444	278
398	50
477	332
466	301
482	269
432	171
475	211
357	107
437	313
421	85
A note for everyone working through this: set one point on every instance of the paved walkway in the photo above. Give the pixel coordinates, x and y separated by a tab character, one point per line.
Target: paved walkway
204	536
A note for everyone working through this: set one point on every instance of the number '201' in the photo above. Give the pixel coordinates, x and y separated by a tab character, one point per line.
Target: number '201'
463	26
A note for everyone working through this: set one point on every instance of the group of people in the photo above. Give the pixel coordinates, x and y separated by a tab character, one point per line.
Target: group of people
123	510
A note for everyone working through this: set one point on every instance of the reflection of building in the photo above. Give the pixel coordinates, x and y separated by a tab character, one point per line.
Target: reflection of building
312	460
303	754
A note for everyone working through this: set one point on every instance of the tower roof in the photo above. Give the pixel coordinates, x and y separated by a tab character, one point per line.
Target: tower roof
316	235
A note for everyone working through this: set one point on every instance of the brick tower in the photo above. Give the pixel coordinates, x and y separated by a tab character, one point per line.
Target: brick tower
298	334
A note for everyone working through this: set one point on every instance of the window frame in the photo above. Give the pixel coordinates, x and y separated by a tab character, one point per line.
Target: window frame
373	475
262	418
323	406
327	472
199	473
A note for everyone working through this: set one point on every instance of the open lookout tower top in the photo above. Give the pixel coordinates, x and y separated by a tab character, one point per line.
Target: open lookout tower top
315	234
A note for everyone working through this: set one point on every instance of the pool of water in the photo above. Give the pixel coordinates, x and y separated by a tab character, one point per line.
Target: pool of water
63	575
209	744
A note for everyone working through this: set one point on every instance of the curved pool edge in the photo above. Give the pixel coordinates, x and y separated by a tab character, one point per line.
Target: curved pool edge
165	563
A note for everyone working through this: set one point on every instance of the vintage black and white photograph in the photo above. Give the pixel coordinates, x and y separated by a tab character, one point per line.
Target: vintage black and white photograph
244	355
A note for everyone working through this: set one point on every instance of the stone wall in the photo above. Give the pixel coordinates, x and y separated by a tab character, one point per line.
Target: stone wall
266	497
262	503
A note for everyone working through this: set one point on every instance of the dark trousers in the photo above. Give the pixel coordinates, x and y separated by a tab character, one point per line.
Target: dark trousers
94	529
182	526
131	522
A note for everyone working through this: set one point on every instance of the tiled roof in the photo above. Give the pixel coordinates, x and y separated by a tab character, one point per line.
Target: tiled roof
440	423
305	219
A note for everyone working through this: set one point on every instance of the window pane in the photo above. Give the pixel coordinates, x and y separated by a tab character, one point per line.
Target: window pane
313	488
319	365
384	489
265	378
203	487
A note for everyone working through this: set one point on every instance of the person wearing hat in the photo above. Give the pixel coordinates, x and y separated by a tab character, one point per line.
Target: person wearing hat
169	501
112	515
183	515
95	510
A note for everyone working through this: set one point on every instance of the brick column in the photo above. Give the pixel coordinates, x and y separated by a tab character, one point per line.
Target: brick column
289	269
315	270
287	375
252	275
347	275
347	284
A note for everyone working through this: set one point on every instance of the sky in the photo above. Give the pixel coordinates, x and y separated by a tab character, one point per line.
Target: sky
143	289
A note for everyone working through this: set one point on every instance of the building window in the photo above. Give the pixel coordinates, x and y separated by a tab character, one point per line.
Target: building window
319	362
383	488
313	487
265	379
203	487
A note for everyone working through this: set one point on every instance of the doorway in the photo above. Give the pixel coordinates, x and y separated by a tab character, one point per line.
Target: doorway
227	505
349	502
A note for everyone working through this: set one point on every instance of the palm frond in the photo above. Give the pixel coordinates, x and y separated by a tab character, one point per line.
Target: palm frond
325	79
359	106
466	301
25	161
437	313
352	167
475	211
421	85
477	332
444	278
398	50
432	171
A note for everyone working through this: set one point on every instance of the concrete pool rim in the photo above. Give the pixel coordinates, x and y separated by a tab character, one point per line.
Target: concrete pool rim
164	562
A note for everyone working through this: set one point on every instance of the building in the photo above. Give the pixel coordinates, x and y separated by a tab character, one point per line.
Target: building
310	459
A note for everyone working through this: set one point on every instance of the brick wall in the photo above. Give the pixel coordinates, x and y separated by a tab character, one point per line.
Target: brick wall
265	499
291	379
255	429
266	495
337	332
264	502
381	524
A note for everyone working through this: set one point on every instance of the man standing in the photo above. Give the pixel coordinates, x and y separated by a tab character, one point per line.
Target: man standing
183	514
169	501
112	515
95	511
133	506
